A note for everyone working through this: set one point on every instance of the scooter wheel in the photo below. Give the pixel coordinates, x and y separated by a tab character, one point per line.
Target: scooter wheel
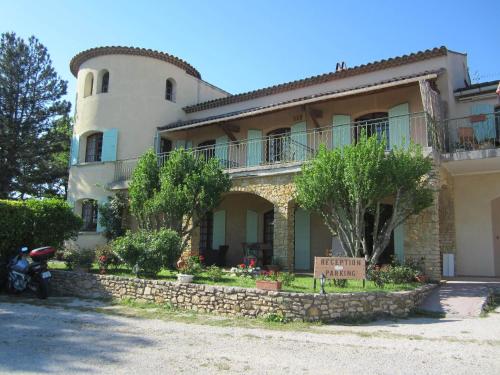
43	289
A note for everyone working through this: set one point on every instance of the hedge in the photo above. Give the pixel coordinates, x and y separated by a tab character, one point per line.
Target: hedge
34	223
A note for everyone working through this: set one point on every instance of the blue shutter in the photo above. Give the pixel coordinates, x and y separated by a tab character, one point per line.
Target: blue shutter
302	239
254	147
399	126
221	148
251	226
298	139
219	229
399	240
341	132
484	130
74	149
109	140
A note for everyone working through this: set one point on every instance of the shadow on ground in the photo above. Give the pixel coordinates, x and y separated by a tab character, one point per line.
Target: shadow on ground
63	336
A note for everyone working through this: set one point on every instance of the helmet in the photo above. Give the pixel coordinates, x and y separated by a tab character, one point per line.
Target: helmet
24	250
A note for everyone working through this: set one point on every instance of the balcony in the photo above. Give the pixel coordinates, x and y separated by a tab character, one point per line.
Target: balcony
472	133
291	149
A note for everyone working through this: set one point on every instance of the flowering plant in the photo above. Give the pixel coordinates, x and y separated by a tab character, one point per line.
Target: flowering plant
242	270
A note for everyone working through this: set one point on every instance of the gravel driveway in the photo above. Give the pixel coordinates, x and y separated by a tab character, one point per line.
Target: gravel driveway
72	338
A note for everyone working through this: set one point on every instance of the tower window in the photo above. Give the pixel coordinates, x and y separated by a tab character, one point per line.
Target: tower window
94	148
105	82
170	90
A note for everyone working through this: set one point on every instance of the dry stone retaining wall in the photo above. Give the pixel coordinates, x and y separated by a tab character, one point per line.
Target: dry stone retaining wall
240	301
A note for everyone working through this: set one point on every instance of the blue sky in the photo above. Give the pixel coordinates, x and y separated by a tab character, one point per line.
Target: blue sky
244	45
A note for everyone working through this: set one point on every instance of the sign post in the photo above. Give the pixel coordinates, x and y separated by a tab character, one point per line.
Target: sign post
339	268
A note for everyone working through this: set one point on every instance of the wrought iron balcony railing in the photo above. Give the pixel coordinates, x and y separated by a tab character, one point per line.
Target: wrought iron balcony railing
476	132
293	148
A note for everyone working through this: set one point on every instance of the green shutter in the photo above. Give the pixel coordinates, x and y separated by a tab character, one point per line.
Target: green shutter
299	141
100	201
302	239
221	148
399	126
219	229
254	147
109	140
75	141
484	130
251	226
179	143
399	239
341	133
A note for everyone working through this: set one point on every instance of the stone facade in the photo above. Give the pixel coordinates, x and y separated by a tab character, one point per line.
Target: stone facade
245	302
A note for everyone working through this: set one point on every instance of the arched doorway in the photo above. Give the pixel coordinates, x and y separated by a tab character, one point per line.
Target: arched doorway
278	145
372	123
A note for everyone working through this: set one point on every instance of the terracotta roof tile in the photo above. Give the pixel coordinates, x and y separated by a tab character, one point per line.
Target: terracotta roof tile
360	69
80	58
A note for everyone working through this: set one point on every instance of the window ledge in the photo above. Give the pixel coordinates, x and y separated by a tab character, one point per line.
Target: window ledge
87	233
83	164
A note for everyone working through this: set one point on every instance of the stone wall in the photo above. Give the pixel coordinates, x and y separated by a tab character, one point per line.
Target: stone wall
447	238
235	301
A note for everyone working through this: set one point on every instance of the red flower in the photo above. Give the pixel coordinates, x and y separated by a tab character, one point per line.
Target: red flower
241	265
202	258
252	263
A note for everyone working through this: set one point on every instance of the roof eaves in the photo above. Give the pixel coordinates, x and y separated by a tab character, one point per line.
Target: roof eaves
314	80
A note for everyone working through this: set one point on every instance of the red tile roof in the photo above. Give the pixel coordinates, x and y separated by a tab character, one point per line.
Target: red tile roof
80	58
356	70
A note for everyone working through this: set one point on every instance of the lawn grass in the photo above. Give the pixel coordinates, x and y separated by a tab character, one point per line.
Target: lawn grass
301	284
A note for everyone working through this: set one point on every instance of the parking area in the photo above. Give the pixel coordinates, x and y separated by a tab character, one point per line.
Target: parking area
67	335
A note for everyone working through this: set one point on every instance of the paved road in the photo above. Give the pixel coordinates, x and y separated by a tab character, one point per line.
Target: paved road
71	338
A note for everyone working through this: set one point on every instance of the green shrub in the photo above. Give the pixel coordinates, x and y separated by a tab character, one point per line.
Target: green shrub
340	283
34	223
191	266
148	252
401	274
111	215
378	276
286	278
76	258
214	273
106	257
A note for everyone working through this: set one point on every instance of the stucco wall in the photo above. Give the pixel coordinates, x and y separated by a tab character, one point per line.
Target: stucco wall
473	222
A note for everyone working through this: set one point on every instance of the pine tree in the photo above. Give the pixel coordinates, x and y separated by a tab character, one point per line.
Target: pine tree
33	114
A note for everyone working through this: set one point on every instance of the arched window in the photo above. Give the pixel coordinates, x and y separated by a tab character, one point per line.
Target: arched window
372	123
89	215
89	85
278	145
170	90
93	151
105	82
207	149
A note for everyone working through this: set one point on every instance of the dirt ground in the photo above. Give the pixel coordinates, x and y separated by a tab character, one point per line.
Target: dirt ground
66	335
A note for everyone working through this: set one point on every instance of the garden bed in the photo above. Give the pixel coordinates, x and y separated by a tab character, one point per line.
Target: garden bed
301	284
237	301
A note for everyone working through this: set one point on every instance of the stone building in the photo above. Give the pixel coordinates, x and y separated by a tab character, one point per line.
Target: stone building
132	99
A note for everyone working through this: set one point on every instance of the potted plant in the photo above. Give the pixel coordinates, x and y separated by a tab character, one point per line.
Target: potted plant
188	269
274	266
268	281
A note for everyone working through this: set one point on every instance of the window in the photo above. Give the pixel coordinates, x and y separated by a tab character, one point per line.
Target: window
207	149
269	227
206	230
89	215
170	90
94	148
89	85
165	145
278	145
373	123
105	82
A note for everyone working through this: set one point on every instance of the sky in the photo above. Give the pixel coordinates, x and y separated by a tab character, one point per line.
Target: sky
245	45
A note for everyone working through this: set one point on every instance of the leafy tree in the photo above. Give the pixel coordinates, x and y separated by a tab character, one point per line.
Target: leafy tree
31	106
145	183
112	214
345	184
178	194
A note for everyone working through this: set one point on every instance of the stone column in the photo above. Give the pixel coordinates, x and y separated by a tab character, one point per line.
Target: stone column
280	241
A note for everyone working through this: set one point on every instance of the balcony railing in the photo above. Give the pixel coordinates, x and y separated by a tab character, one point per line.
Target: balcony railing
296	147
476	132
